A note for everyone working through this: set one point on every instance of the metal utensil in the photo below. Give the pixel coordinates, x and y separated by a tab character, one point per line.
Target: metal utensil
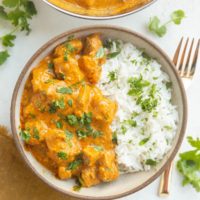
186	68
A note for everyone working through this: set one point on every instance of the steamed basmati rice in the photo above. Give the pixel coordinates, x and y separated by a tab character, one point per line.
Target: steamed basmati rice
143	136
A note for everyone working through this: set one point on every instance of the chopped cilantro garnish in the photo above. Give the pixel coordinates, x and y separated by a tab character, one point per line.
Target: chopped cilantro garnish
68	134
137	85
70	48
64	90
62	155
81	134
36	133
149	104
123	129
97	148
72	120
55	105
25	135
114	137
168	85
66	56
59	124
144	141
150	162
75	164
70	102
51	65
112	75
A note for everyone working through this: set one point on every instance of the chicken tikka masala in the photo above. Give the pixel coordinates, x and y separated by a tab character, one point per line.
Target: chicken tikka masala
65	119
99	7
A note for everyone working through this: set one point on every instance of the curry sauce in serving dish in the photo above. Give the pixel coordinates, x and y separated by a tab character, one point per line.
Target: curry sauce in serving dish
65	118
100	7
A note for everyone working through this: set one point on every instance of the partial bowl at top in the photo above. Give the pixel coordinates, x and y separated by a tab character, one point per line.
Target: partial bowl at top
104	9
125	184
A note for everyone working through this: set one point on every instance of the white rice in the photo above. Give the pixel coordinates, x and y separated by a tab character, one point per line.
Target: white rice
159	126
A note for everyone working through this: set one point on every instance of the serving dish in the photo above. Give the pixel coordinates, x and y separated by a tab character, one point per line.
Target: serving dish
94	17
134	181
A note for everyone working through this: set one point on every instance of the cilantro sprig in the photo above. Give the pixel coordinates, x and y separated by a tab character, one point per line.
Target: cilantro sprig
159	29
189	164
17	13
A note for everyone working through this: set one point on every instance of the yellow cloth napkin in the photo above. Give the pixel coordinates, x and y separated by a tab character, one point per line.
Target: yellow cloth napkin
17	181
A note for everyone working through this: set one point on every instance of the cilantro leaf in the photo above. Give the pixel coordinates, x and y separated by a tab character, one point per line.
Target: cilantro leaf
3	13
189	164
160	30
30	8
11	3
155	27
3	56
177	16
7	40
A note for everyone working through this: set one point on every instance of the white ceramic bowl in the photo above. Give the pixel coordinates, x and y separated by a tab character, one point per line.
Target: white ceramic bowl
126	184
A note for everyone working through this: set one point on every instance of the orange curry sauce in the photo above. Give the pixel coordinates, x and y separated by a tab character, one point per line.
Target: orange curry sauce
65	119
99	7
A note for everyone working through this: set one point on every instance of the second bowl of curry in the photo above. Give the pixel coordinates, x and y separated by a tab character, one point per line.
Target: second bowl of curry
104	9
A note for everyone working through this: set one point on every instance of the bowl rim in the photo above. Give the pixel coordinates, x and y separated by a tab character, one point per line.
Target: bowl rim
99	17
71	32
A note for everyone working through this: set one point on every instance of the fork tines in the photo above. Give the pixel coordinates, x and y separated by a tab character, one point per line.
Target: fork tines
188	58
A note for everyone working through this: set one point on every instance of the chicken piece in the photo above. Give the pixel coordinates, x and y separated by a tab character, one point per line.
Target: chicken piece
104	109
52	89
89	177
70	47
83	100
63	148
92	45
63	173
108	170
37	130
41	75
90	68
90	155
69	70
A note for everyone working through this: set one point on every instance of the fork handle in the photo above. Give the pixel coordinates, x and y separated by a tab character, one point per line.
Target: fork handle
165	181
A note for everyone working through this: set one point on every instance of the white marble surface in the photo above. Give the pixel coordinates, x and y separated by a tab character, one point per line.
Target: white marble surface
49	23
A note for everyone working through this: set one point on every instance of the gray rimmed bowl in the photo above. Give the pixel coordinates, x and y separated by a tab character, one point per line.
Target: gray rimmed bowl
129	12
126	184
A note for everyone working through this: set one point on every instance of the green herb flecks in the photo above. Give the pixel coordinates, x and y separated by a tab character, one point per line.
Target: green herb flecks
64	90
55	105
97	148
75	164
72	120
150	162
144	141
36	133
62	155
25	135
70	102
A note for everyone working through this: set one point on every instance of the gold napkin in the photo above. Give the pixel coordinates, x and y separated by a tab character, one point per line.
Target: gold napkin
17	181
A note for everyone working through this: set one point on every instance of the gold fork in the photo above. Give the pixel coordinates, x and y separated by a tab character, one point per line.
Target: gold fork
186	71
